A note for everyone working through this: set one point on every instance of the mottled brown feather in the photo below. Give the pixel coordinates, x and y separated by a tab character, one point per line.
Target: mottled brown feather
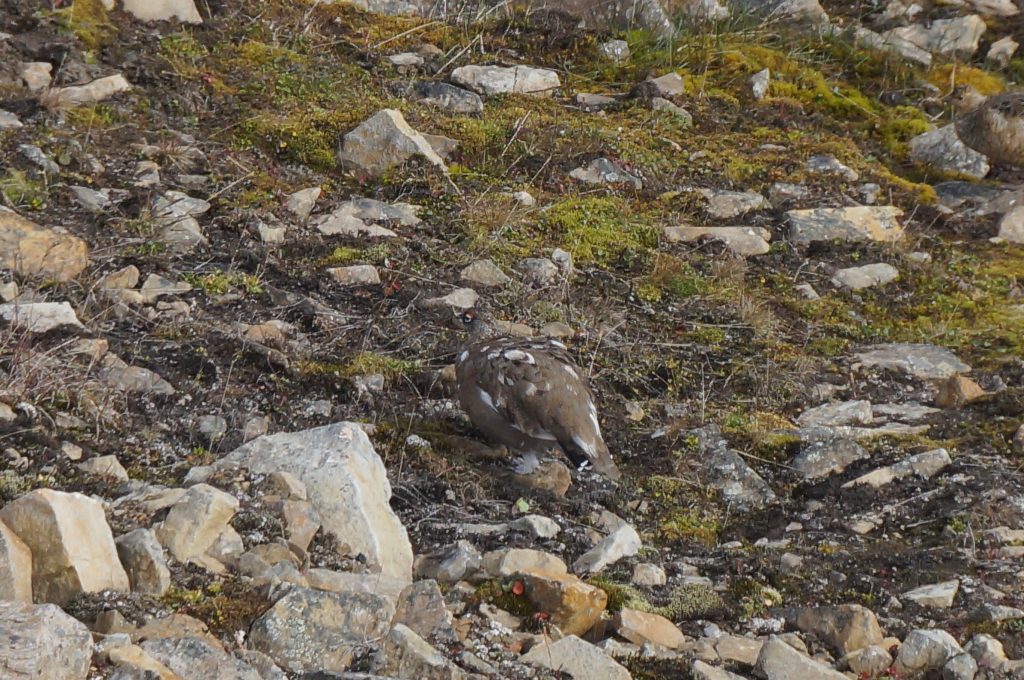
995	127
536	400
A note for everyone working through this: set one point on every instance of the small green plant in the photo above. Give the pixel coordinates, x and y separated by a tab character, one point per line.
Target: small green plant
220	282
88	20
753	598
508	595
21	190
150	248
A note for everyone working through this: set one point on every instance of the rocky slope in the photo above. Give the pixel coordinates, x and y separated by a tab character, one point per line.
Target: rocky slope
234	240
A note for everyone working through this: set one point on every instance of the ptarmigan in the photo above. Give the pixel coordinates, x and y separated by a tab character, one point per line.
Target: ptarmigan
992	125
528	395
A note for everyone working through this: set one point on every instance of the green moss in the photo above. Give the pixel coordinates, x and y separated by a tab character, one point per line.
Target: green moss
598	229
677	517
346	255
692	601
13	485
708	336
220	282
948	76
363	363
88	20
689	523
673	277
95	117
828	346
684	603
897	129
982	317
620	595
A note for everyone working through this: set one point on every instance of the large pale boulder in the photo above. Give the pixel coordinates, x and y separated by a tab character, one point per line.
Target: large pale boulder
407	655
346	482
72	547
845	628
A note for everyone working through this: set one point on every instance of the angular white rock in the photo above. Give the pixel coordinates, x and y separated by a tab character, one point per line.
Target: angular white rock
492	80
623	542
346	482
72	547
39	317
194	523
580	659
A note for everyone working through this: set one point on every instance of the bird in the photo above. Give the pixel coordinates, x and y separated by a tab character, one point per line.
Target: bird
992	125
528	395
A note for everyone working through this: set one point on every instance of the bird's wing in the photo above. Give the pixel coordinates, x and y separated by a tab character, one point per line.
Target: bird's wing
1010	104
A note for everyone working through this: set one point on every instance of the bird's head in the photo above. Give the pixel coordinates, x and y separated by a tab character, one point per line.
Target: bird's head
477	323
965	98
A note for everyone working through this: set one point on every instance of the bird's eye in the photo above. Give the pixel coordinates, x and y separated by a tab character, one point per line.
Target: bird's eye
468	317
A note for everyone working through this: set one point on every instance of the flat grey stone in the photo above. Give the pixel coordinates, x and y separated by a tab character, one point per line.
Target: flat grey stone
729	204
448	97
947	37
759	83
744	241
616	50
935	595
669	85
593	102
856	412
925	650
828	456
493	80
580	659
9	121
866	276
484	273
682	115
194	658
927	362
942	150
383	141
857	223
605	171
830	165
729	474
311	630
40	317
